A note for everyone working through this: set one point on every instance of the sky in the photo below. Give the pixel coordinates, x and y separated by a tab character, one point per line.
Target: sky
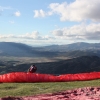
48	22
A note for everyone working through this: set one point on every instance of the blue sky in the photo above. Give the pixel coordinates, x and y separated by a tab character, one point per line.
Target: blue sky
47	22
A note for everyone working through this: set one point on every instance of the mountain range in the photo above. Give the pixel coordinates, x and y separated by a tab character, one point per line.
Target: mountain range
70	50
73	47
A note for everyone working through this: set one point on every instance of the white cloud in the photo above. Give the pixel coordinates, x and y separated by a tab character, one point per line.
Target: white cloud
33	38
81	32
4	8
58	32
17	13
39	13
7	36
88	32
35	35
78	10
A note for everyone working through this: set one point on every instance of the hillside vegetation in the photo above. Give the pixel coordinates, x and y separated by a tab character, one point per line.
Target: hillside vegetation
29	89
75	65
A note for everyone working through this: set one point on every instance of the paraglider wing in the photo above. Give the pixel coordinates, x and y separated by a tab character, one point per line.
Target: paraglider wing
36	77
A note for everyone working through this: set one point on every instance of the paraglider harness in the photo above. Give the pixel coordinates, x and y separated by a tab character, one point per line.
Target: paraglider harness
32	69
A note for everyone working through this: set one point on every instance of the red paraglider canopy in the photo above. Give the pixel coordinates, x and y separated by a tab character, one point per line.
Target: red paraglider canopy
36	77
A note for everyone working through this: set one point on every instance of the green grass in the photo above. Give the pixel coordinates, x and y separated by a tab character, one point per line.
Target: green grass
26	89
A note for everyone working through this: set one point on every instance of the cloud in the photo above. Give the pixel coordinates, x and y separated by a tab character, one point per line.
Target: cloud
17	13
78	10
6	36
58	32
84	32
33	38
35	35
81	32
76	32
4	8
39	13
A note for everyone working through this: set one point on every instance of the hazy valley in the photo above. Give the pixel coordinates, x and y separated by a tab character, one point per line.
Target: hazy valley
54	59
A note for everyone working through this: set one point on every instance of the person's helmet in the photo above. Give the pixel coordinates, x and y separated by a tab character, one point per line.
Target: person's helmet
33	65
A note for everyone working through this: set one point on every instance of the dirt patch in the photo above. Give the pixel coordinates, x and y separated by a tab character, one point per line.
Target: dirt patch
87	93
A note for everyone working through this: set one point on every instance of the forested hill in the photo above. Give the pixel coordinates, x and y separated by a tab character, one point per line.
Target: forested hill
76	65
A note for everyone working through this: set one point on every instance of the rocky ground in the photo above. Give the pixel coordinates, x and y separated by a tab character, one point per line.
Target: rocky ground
86	93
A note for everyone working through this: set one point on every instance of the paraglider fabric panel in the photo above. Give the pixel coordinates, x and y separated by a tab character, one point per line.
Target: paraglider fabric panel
36	77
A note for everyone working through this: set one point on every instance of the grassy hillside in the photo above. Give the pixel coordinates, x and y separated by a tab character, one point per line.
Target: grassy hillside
26	89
